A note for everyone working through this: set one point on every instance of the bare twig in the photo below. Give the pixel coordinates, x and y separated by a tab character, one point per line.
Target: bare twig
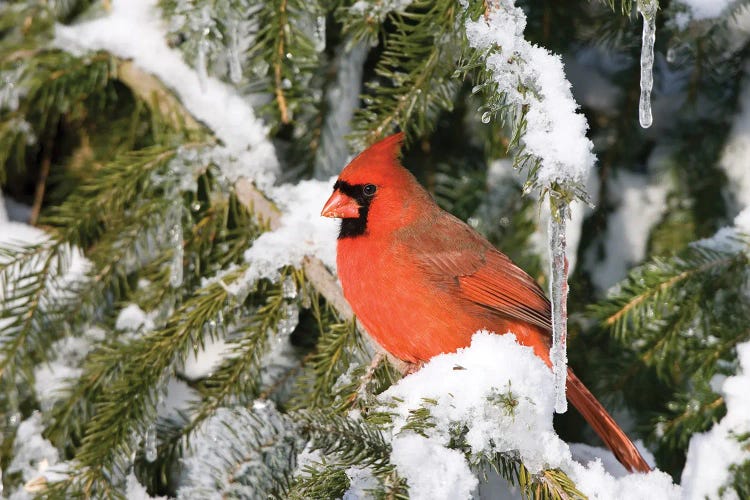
41	184
280	55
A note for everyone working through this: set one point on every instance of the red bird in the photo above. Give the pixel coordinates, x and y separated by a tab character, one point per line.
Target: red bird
422	282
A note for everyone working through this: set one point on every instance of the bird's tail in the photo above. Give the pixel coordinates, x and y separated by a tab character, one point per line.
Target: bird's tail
604	425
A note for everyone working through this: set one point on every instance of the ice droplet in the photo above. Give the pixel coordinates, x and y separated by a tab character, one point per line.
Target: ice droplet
286	83
319	37
647	9
175	240
559	298
671	55
260	68
289	319
150	452
486	116
289	288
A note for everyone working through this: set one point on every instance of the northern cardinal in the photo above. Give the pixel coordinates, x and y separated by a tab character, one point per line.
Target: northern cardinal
422	281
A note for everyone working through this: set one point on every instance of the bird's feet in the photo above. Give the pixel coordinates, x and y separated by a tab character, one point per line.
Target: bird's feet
412	368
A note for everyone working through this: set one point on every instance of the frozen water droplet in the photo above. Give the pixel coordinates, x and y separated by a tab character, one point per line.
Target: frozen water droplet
260	68
175	267
486	116
150	451
671	55
319	36
647	9
286	83
289	288
289	319
14	419
196	206
476	88
289	56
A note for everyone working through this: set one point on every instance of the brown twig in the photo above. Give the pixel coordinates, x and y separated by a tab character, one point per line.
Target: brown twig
278	81
41	183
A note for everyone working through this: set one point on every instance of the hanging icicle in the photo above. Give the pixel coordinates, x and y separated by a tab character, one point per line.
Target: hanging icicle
174	224
559	296
647	9
150	452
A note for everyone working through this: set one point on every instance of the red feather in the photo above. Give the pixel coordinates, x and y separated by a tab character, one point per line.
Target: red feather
422	282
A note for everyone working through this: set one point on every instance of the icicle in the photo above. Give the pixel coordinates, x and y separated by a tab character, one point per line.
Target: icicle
235	66
174	220
559	295
150	452
289	320
319	34
647	8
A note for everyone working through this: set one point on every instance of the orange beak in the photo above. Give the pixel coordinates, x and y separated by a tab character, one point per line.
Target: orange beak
340	206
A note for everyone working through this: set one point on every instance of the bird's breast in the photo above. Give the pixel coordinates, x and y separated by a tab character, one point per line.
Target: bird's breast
400	305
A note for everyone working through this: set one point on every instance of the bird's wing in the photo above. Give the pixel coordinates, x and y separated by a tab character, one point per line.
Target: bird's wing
456	256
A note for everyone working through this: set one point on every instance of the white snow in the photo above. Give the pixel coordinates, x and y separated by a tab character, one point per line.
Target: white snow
711	453
706	9
640	203
729	239
33	454
432	471
132	318
503	394
360	481
735	159
302	232
52	378
133	29
136	491
204	361
555	132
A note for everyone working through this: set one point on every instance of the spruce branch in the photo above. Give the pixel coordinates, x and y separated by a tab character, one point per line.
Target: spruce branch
29	277
651	290
286	42
127	409
415	72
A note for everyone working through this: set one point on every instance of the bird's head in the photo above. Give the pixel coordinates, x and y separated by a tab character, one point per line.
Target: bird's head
373	191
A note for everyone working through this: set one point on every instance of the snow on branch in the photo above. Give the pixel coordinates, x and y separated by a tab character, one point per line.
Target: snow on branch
494	397
295	234
133	29
712	454
532	87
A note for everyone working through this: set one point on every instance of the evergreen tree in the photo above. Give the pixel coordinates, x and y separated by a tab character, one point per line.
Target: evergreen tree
170	321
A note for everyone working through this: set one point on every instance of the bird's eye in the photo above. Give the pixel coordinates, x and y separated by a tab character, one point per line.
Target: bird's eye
369	189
